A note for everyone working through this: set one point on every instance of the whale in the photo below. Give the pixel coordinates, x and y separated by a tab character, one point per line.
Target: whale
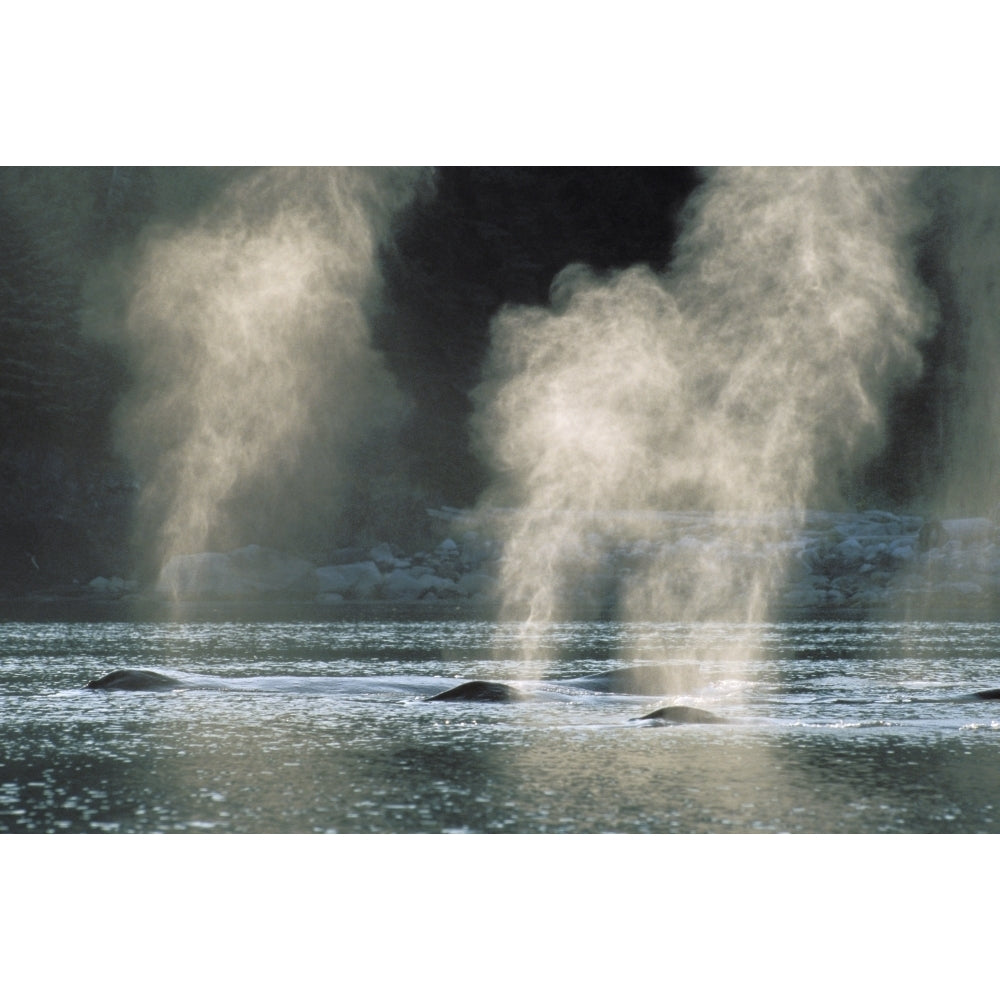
992	695
134	679
679	714
641	680
480	691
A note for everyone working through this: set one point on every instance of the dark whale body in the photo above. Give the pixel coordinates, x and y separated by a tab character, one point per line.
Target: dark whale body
480	691
134	680
676	714
651	680
992	695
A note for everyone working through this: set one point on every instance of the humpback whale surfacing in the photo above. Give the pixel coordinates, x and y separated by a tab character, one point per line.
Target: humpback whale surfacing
677	714
480	691
644	679
133	680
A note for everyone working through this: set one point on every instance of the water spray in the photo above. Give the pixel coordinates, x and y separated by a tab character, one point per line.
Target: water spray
684	422
255	387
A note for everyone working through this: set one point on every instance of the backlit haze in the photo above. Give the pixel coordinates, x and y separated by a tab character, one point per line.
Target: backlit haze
655	370
750	381
256	394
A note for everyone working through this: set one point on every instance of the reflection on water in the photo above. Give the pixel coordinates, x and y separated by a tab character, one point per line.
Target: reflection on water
324	726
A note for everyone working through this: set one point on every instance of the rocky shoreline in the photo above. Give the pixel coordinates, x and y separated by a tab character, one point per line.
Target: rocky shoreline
869	562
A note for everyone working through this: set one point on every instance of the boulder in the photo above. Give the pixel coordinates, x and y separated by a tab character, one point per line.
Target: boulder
200	574
383	557
448	548
969	530
403	585
249	572
850	552
476	584
414	583
360	580
114	587
268	571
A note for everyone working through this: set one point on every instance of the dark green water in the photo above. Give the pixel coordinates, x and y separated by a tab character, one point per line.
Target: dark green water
324	726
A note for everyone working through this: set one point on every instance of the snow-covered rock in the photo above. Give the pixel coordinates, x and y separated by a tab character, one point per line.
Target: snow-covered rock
269	571
360	580
385	559
476	584
969	530
851	552
113	587
252	571
416	583
820	559
449	547
200	574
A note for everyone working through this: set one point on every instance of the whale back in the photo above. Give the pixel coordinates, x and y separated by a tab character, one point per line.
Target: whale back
644	679
133	680
480	691
678	714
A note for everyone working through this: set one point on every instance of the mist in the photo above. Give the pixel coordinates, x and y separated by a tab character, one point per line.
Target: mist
969	201
258	409
642	381
747	382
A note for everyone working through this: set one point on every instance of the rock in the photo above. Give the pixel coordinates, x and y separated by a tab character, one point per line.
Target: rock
931	535
360	580
901	552
345	556
201	574
441	587
383	557
804	595
249	572
114	587
831	559
402	585
476	584
969	530
850	552
415	583
267	571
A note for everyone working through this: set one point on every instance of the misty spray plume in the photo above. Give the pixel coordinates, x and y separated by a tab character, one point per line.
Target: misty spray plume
746	384
971	205
256	392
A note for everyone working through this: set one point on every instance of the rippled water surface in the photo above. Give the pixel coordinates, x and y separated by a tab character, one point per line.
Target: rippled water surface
302	726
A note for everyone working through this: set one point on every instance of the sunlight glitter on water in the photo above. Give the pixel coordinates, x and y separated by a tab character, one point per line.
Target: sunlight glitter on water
324	726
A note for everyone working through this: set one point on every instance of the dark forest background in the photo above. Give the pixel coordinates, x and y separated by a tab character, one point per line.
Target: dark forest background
486	236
